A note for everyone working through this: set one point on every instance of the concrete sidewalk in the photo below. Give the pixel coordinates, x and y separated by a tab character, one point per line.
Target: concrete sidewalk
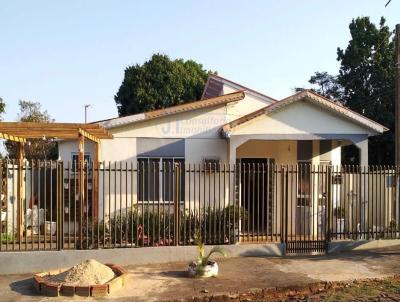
168	281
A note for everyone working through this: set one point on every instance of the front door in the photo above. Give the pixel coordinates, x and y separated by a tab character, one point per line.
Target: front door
256	198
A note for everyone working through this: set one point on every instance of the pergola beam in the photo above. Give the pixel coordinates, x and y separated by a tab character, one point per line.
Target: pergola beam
13	138
89	136
33	133
14	125
18	131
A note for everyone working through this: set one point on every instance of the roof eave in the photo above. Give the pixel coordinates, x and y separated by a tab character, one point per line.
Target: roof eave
146	116
314	98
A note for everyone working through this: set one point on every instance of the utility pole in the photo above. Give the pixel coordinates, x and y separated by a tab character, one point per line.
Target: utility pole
397	96
397	117
86	108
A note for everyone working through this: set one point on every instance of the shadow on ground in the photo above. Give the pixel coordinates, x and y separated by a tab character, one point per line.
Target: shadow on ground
24	287
237	275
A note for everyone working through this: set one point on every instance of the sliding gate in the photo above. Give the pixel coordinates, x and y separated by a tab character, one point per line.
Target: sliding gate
305	195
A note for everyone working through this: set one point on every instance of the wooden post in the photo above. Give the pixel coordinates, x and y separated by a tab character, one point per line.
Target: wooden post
20	189
95	180
81	181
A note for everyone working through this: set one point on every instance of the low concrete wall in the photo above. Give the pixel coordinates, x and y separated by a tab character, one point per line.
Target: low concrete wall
38	261
360	245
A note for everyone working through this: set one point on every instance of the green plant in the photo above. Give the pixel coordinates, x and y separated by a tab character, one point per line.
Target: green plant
203	260
153	225
340	212
216	225
393	225
6	238
94	234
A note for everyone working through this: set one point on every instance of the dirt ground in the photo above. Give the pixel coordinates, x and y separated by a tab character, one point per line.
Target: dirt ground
245	279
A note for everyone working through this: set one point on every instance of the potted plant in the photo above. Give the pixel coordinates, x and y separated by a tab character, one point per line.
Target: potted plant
203	266
340	215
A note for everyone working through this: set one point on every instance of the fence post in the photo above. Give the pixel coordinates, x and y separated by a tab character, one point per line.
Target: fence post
58	203
286	185
328	211
176	202
283	205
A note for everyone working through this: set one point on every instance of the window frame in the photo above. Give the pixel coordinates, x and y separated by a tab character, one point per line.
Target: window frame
160	180
86	154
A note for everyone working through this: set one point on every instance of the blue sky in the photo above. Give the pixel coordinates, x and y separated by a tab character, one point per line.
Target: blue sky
66	54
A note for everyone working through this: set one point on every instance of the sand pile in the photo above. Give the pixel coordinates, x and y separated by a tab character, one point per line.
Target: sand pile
86	273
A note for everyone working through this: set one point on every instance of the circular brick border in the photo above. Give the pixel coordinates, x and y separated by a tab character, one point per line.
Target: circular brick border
53	289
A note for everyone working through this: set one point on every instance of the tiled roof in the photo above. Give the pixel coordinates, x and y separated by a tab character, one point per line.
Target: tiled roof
313	97
212	102
214	88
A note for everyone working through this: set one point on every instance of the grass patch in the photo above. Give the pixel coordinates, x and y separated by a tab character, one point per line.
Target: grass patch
368	289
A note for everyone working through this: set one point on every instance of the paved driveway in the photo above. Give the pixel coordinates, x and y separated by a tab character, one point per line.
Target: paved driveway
168	281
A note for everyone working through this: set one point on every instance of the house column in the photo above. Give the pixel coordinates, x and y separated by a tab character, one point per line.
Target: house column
235	142
363	150
232	151
362	146
316	213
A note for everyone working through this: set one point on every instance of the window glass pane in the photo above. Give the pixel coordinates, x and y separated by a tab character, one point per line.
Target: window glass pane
153	179
148	179
142	184
168	168
150	186
181	163
303	185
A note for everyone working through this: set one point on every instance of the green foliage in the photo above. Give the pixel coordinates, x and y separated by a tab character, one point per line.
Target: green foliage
6	238
326	85
37	148
216	226
365	82
94	234
203	259
150	225
367	77
340	212
159	83
2	108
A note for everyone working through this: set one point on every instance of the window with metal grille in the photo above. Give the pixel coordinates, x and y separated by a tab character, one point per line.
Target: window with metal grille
156	179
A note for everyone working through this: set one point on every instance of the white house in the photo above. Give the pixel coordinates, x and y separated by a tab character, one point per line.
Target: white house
232	122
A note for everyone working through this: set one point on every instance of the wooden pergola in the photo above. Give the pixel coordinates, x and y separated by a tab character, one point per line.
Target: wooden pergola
19	132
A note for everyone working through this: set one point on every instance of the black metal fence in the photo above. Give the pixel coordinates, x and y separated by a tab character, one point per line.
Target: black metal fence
51	205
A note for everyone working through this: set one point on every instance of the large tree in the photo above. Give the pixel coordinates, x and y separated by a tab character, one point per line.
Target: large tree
2	108
365	82
159	83
367	77
38	148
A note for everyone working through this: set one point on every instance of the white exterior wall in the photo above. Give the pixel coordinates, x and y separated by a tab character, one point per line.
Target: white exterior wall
300	118
202	123
68	147
198	149
249	104
118	149
283	152
200	129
